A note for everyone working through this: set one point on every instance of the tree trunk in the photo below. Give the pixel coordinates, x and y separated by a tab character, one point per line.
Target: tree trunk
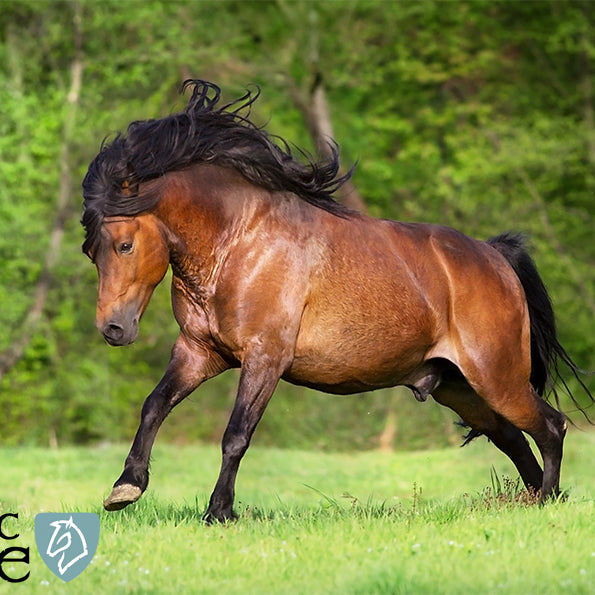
315	109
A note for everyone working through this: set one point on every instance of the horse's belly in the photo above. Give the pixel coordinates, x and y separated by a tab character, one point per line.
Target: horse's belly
356	366
370	319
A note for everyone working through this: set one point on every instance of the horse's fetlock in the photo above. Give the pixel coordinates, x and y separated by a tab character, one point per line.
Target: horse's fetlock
134	475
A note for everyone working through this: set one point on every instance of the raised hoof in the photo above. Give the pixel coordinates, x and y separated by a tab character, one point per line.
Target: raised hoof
122	496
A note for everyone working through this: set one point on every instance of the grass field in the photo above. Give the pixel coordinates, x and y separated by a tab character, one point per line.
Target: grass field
313	523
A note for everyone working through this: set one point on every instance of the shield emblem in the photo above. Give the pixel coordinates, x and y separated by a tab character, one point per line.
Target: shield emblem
67	541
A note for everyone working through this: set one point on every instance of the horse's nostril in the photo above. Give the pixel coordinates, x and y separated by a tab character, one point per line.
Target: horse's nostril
113	331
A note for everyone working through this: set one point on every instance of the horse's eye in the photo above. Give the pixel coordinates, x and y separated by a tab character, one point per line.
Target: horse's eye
125	248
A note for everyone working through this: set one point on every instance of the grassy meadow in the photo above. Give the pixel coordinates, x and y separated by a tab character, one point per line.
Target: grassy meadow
437	522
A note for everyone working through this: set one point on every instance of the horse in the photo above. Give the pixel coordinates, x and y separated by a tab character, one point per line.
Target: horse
273	276
68	540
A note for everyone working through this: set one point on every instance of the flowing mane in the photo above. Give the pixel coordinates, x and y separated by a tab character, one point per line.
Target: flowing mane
203	132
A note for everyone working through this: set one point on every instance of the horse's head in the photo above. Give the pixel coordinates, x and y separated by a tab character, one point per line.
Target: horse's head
69	541
131	258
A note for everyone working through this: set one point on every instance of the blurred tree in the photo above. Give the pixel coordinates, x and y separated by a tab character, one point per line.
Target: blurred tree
478	115
14	352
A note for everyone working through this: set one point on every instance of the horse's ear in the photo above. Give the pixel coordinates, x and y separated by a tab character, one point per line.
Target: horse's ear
126	188
129	189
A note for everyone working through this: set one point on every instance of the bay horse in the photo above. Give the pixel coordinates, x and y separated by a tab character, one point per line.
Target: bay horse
272	275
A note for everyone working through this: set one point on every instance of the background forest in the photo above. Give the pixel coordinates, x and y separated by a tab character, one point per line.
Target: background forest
479	115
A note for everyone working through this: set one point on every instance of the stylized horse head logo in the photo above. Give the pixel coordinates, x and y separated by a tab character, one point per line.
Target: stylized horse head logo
67	542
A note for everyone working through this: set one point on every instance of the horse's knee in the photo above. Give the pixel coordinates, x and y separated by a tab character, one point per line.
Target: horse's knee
234	444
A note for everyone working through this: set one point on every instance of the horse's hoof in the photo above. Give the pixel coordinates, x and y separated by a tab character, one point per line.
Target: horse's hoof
212	518
122	496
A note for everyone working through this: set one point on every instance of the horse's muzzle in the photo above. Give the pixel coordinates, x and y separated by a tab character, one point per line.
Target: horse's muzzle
117	334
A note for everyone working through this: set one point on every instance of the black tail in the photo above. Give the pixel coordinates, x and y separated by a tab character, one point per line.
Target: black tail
546	350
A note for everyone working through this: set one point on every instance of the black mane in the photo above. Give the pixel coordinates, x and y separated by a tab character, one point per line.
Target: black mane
202	132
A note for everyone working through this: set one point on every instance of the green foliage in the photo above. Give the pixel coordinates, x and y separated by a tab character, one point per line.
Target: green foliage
478	115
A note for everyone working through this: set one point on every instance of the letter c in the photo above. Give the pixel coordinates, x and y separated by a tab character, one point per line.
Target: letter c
14	515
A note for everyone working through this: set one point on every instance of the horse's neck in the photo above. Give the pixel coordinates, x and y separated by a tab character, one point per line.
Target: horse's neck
205	210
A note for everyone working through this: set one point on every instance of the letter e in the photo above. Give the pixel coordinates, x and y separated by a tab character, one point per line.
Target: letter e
24	559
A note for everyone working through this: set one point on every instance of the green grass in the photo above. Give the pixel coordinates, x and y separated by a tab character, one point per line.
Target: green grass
360	523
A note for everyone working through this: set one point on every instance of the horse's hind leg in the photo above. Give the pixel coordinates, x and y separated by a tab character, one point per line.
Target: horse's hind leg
528	412
473	410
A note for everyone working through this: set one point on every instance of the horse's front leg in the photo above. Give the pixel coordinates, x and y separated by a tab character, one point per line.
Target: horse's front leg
258	380
189	365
